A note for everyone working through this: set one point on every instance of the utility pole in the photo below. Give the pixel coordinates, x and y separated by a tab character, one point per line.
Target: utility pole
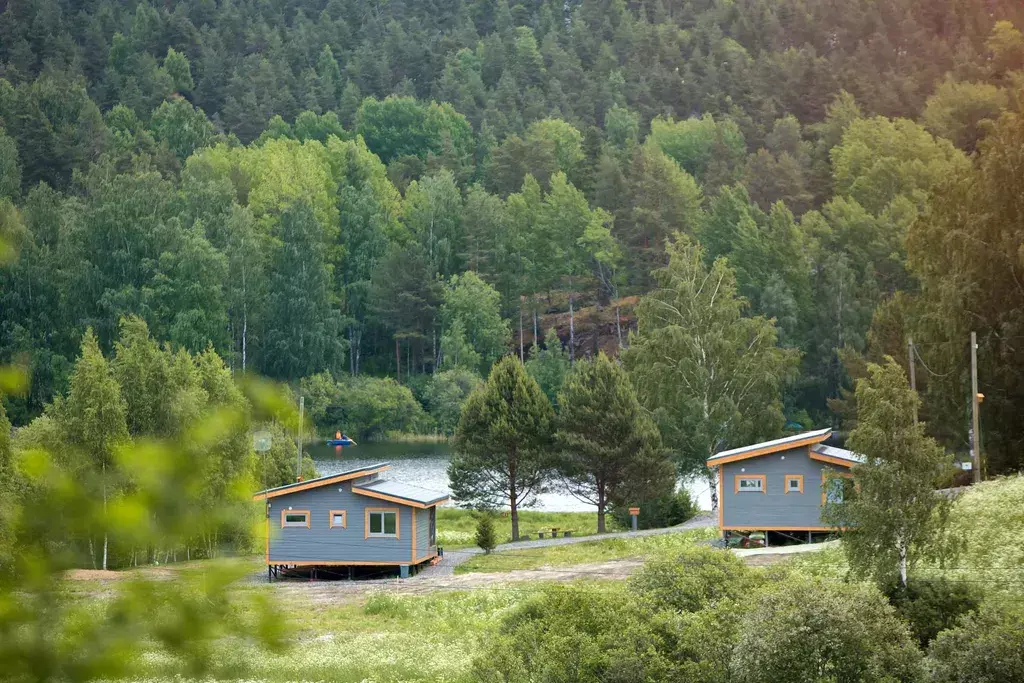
298	458
975	423
913	374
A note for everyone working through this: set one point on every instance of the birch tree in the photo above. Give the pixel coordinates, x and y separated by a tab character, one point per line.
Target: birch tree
95	417
711	375
894	518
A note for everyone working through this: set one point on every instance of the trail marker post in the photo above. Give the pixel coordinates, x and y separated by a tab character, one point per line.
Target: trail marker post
634	513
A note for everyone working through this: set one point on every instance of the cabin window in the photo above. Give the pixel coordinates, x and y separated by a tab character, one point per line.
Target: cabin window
834	490
338	519
794	483
750	484
382	522
294	518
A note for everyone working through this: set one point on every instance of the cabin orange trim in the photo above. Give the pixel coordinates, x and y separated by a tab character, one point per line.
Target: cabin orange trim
829	459
809	441
781	528
344	519
320	482
398	523
721	498
353	563
792	477
763	478
396	499
286	512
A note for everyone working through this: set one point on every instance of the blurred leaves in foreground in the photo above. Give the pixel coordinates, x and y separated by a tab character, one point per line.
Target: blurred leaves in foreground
50	511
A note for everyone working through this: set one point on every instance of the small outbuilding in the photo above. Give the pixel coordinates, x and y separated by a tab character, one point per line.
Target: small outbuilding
352	519
781	486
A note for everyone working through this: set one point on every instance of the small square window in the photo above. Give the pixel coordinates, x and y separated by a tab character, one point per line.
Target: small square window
794	483
338	519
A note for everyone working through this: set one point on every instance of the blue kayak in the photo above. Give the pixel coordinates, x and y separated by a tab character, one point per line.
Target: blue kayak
340	442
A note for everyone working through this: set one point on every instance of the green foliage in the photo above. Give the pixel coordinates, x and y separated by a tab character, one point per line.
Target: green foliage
693	580
370	407
549	366
880	160
183	127
711	151
958	112
655	513
474	306
895	520
608	449
10	168
711	375
985	648
805	630
445	394
931	606
485	536
401	126
502	442
177	67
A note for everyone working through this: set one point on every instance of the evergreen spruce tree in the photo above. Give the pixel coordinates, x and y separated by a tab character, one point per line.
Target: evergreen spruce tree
485	538
609	449
502	443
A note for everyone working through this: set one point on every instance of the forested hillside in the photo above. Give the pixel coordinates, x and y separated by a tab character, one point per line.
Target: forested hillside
397	188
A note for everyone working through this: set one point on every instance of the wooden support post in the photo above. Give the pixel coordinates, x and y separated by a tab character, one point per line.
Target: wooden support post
975	421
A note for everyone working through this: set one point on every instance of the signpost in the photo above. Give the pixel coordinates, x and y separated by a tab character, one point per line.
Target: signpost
634	513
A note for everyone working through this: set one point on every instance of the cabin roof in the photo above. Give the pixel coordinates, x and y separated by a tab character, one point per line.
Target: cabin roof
765	447
399	492
322	481
836	456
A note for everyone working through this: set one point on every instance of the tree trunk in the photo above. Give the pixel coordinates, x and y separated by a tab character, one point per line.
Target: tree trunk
522	357
245	319
398	360
572	331
105	539
600	507
513	495
536	339
618	325
713	480
351	352
92	553
903	562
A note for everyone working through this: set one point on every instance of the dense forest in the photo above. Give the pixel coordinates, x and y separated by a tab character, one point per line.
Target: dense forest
326	192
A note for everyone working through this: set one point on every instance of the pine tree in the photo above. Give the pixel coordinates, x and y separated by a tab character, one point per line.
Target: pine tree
609	449
485	538
502	442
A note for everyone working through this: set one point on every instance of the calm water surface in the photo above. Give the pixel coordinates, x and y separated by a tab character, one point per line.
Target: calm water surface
426	464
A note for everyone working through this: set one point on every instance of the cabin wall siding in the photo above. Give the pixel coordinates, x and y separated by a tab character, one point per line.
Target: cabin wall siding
321	543
774	507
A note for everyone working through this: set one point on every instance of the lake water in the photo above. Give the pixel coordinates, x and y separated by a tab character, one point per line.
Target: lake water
426	464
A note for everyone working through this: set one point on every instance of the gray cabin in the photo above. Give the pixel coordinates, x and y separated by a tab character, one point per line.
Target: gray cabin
780	485
355	518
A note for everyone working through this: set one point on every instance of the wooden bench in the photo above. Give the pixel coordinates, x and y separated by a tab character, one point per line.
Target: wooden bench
568	532
540	534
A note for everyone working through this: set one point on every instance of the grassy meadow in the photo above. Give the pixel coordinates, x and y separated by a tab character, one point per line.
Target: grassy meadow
456	528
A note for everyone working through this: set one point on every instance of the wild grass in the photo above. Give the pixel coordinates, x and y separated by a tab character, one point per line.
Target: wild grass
586	553
456	528
986	523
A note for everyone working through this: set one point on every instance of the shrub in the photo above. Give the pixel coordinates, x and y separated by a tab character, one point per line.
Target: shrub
693	579
986	648
485	534
372	407
931	605
659	512
812	630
